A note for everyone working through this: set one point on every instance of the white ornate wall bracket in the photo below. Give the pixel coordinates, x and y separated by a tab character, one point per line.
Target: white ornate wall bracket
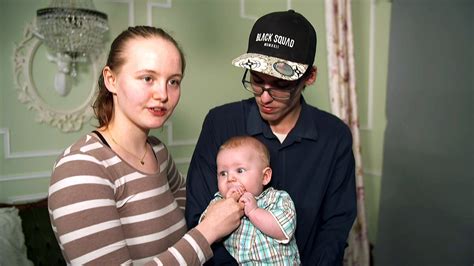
65	120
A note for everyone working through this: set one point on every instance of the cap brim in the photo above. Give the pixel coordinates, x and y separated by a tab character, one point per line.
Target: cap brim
272	66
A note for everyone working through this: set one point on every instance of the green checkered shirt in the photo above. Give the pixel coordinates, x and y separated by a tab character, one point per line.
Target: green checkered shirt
249	246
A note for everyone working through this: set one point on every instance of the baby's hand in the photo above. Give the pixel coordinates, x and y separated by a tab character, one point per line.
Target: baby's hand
235	193
249	201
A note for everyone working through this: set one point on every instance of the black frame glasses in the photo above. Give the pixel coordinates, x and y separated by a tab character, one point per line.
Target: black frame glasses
275	93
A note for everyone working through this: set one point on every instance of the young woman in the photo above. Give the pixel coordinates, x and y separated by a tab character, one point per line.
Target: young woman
112	192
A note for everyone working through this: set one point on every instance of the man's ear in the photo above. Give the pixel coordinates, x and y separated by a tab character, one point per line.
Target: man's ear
110	80
312	76
267	175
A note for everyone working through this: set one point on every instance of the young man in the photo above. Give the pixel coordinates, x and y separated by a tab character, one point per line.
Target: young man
311	150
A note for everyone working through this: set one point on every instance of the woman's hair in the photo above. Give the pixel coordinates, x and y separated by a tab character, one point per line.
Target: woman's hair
104	104
239	141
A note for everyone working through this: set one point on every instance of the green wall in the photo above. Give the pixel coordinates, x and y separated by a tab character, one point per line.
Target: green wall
212	33
426	213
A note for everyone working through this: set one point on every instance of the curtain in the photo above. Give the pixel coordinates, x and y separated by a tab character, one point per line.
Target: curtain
343	98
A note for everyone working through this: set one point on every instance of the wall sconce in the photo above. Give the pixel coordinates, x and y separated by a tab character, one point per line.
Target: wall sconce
73	32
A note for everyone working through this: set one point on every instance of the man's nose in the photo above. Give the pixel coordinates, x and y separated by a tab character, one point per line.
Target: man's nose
266	97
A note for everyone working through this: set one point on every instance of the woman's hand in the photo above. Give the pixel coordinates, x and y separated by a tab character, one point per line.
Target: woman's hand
235	193
222	218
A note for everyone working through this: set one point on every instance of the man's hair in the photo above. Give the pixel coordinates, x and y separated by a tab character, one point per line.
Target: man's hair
240	141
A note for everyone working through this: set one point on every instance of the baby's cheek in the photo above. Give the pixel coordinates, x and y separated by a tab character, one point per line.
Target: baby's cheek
223	190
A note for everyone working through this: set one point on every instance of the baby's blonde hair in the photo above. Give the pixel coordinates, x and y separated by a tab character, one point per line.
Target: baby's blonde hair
239	141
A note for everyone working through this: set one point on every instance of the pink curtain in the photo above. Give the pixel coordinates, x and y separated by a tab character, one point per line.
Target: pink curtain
343	99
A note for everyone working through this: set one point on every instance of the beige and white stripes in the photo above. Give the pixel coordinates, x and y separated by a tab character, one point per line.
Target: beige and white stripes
103	211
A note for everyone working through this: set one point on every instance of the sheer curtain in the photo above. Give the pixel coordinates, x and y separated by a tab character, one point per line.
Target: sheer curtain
343	99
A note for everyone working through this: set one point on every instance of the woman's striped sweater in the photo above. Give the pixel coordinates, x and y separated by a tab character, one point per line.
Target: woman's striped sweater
104	211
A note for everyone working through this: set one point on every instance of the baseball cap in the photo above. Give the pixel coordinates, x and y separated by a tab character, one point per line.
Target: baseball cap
281	44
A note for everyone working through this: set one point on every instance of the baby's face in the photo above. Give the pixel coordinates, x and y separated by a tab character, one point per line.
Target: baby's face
240	167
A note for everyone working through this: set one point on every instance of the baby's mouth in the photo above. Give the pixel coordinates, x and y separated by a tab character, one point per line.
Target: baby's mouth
236	186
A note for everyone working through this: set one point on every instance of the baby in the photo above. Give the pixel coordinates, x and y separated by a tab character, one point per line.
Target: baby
265	235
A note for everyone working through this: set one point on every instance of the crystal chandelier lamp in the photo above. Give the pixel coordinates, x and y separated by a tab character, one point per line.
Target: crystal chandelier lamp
72	30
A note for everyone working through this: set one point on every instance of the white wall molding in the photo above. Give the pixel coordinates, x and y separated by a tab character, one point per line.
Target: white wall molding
244	15
28	94
26	198
373	172
38	196
149	9
131	10
171	142
25	176
8	154
370	88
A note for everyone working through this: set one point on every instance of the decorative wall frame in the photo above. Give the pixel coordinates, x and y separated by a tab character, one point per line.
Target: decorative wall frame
65	120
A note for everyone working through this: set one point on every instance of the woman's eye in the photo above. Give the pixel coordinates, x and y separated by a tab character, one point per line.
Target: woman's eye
240	170
175	82
147	79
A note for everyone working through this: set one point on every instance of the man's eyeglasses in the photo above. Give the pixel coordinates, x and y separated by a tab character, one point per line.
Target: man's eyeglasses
275	92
